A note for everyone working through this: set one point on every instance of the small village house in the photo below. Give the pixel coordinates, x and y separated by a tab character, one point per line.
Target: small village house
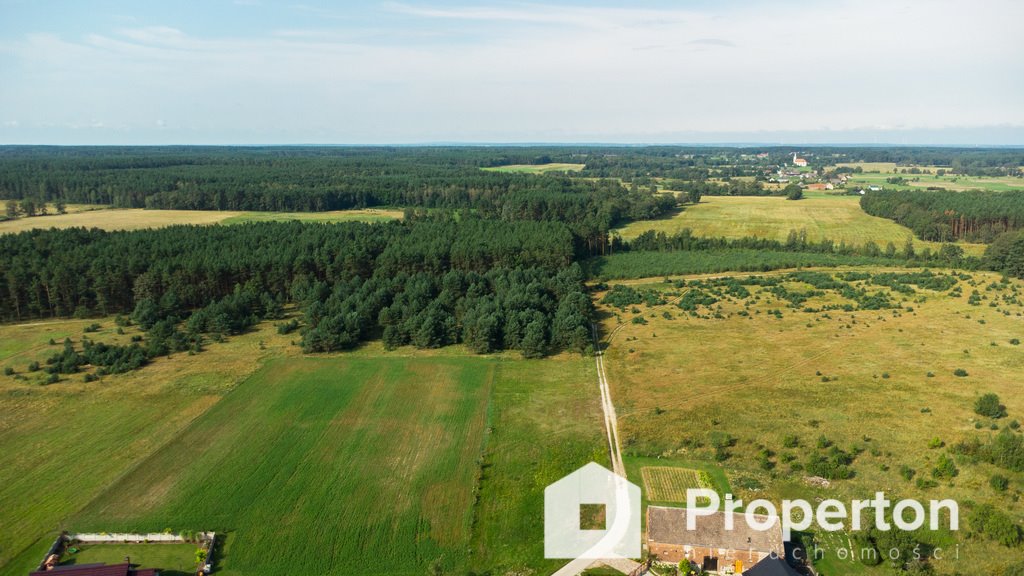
710	545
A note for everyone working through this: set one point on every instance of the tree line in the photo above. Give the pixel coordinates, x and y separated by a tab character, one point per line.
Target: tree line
943	215
431	282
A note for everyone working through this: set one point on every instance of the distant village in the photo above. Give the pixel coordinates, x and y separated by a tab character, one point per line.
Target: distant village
813	179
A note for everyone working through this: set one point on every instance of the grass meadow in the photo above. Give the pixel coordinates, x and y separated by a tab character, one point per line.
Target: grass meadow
537	168
876	174
405	459
823	217
632	265
745	373
139	218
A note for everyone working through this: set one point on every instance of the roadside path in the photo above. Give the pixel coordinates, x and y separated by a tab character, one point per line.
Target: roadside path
624	565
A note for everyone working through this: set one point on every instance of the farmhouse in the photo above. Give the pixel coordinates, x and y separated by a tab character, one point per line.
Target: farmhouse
100	569
771	566
710	545
819	186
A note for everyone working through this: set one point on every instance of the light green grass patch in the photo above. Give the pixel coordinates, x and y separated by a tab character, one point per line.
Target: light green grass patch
537	168
670	484
173	559
823	217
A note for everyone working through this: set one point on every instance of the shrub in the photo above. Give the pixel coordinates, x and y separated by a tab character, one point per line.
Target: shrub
833	465
53	378
1015	341
90	377
907	472
988	405
936	443
288	327
960	373
33	366
8	371
945	468
999	482
791	441
987	520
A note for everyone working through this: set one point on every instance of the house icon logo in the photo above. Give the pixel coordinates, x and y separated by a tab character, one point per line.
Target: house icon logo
592	513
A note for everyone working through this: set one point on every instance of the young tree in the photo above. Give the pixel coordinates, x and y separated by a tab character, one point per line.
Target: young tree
28	207
12	209
988	405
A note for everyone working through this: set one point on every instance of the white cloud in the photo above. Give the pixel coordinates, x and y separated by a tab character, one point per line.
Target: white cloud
532	72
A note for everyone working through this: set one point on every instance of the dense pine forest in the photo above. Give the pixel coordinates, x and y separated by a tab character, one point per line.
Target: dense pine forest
491	284
943	216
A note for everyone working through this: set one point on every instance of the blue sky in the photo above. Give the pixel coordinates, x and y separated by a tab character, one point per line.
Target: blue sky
268	72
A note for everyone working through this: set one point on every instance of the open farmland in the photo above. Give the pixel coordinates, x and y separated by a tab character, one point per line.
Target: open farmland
537	168
824	217
100	430
138	218
756	375
413	458
877	174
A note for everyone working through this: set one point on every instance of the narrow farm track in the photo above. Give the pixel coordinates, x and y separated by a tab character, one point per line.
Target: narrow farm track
610	419
624	565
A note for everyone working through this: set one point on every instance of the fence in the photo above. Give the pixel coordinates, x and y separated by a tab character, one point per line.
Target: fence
205	539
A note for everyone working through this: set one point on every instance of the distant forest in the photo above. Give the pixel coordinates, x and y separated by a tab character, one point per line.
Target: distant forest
489	259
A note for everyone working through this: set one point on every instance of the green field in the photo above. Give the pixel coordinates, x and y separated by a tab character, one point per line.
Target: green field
177	559
537	168
737	374
411	458
138	218
876	174
824	217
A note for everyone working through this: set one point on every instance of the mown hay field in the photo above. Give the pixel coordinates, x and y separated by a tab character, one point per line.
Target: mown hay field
725	378
823	217
537	168
138	218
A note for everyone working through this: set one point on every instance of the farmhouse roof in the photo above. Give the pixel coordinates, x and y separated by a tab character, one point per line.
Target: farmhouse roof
668	526
100	569
771	566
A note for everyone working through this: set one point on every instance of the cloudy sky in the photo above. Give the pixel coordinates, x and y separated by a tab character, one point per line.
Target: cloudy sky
263	72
